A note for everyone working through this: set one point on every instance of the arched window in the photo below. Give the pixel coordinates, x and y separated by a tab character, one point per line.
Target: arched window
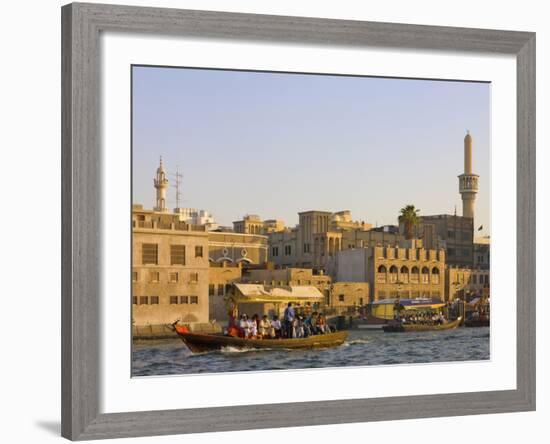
425	275
414	275
381	278
435	275
393	274
404	274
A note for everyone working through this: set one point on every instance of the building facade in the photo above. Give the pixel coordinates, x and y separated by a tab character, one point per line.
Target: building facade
169	271
454	234
466	282
235	248
393	272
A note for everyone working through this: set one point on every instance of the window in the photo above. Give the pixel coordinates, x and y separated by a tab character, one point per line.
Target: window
143	300
393	274
451	251
381	295
220	289
475	279
154	276
194	299
227	288
340	298
435	275
194	278
184	299
173	300
154	300
198	251
414	275
288	250
134	276
275	251
306	248
177	254
211	290
450	234
134	300
173	277
149	254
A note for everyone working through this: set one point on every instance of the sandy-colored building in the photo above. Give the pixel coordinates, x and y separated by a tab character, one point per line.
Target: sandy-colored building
221	278
335	294
482	252
169	270
235	248
393	272
469	282
253	224
454	234
320	235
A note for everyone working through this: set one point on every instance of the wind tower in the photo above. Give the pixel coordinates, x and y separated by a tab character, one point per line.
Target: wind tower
467	182
161	184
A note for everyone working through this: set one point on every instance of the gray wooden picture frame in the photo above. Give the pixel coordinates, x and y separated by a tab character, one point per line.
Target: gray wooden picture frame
81	231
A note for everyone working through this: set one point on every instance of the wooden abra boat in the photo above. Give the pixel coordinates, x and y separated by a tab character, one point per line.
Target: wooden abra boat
399	327
201	342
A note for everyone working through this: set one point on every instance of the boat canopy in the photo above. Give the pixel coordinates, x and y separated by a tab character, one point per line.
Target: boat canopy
277	294
384	309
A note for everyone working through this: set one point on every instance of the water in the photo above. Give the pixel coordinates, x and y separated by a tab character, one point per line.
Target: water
171	357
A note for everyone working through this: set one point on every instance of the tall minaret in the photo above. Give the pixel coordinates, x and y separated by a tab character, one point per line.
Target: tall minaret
161	184
467	182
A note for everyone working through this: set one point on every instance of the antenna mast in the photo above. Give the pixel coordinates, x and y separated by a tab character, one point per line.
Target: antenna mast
177	186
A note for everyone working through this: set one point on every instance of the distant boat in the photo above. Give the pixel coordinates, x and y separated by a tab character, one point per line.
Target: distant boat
399	327
201	342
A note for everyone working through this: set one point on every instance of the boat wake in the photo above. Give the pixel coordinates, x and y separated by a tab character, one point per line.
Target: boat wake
356	342
230	350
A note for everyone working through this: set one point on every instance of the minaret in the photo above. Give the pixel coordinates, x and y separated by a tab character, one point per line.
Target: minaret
467	182
161	184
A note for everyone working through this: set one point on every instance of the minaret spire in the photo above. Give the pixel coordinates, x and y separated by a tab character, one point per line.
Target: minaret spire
468	182
161	184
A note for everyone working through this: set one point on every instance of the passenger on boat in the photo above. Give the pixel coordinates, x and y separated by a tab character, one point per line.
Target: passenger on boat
265	328
244	326
322	323
276	325
289	317
255	327
299	327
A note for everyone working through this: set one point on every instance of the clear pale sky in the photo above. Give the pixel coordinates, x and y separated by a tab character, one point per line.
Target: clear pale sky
274	144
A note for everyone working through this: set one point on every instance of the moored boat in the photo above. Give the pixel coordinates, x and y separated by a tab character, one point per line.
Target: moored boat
201	342
400	327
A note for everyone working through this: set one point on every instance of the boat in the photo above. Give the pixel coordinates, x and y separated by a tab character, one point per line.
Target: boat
204	342
399	327
480	322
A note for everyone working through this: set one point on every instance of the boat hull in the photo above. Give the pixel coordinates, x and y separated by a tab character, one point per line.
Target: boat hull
404	328
200	343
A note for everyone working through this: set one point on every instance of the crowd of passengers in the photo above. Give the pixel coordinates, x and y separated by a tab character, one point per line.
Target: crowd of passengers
425	318
292	325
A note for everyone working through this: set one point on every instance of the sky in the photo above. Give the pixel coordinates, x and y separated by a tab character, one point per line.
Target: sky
275	144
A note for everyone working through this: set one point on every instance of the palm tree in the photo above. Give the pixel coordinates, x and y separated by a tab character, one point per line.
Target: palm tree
408	215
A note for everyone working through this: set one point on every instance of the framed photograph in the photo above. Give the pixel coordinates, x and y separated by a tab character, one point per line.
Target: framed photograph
276	221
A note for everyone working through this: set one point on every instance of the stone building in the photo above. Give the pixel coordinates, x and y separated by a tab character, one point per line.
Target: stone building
393	272
235	248
454	234
319	235
469	282
335	294
169	270
482	252
253	224
221	277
